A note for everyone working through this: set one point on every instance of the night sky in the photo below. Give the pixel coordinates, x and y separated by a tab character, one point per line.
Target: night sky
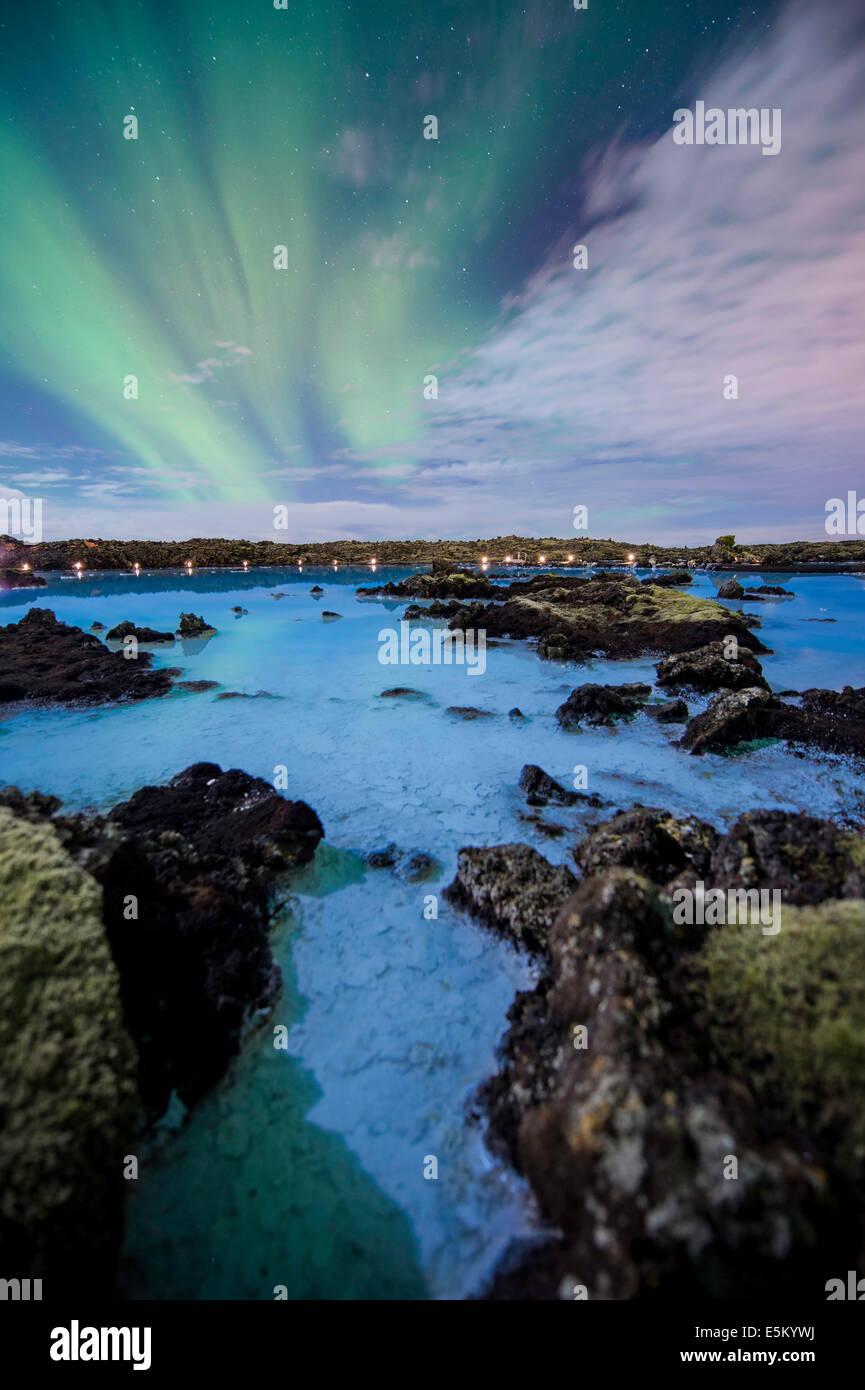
408	257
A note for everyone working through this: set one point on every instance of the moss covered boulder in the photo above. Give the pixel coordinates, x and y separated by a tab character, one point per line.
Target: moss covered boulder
785	1014
68	1102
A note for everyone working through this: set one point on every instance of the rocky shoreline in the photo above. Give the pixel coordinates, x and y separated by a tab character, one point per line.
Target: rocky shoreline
683	1100
199	552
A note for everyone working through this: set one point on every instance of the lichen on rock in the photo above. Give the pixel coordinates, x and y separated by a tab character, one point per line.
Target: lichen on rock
68	1099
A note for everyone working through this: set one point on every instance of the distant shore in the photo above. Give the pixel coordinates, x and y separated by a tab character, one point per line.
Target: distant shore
528	551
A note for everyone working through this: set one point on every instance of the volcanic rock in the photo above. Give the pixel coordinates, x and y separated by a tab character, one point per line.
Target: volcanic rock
51	662
511	888
707	668
602	704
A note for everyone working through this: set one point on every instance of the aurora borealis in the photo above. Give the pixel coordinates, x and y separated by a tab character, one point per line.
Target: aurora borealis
304	127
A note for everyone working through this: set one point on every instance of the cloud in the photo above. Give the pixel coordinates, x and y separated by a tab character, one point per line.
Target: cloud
703	262
81	452
205	370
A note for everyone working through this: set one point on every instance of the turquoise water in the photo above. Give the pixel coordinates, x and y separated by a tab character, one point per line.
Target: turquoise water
305	1168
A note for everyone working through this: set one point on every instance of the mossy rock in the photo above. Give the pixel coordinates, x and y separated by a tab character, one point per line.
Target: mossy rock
68	1100
786	1015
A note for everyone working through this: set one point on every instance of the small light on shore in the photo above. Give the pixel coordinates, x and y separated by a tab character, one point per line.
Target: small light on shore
78	568
25	567
137	567
245	566
631	559
484	560
570	559
542	559
507	559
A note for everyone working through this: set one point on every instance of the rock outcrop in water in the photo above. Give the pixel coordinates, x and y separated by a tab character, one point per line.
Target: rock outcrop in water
141	634
440	584
541	789
68	1101
602	704
511	888
831	720
685	1099
191	625
709	668
734	718
46	661
574	618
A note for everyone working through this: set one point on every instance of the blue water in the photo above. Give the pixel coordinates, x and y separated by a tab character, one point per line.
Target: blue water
305	1168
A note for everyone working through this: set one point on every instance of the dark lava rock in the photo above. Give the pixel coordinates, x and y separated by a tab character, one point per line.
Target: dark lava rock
651	841
141	634
199	858
48	661
602	704
807	859
829	719
196	687
457	584
732	589
574	618
541	788
97	627
418	867
819	620
316	589
511	888
403	692
670	712
708	668
438	608
517	716
622	1114
385	858
414	867
328	617
468	712
773	589
242	695
21	579
739	716
191	625
239	612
